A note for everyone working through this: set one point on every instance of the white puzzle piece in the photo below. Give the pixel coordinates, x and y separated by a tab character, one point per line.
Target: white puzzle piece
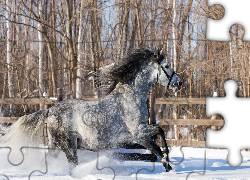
235	134
235	12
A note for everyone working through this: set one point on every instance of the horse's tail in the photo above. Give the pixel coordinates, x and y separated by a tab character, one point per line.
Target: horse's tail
25	139
27	131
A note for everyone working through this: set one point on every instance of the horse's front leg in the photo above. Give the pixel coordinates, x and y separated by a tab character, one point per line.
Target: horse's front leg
144	138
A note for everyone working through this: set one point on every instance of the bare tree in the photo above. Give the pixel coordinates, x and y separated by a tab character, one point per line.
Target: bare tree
175	60
95	33
40	52
9	54
79	60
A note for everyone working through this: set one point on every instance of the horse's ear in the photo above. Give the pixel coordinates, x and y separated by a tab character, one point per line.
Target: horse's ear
161	51
158	52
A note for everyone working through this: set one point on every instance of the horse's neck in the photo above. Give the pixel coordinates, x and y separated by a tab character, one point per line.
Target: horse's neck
142	82
139	87
134	96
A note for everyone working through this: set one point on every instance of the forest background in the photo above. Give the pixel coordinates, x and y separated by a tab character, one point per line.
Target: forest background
51	44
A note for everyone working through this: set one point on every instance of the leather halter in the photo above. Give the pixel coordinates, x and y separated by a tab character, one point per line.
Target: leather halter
160	59
169	77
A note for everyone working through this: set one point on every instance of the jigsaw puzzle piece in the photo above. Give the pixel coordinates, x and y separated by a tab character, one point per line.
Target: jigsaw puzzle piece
3	158
110	162
4	177
100	165
217	166
33	161
23	146
193	161
176	155
235	12
235	110
107	164
86	168
104	165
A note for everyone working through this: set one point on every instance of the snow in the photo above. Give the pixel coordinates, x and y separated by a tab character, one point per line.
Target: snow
106	167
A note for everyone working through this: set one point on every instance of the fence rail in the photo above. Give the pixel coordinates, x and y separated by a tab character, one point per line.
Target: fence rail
212	122
201	122
180	101
33	101
8	119
184	122
186	143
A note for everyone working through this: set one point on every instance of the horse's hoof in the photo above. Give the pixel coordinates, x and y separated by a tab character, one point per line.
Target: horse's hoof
166	165
169	167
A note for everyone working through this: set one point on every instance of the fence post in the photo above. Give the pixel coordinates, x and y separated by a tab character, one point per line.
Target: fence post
45	95
59	95
1	108
152	119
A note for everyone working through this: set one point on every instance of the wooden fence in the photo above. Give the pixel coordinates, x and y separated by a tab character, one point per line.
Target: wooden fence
186	122
153	100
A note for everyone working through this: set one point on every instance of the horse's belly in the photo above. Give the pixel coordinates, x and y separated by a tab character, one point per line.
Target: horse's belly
104	139
102	130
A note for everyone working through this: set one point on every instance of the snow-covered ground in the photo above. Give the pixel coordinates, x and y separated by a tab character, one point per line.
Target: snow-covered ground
102	166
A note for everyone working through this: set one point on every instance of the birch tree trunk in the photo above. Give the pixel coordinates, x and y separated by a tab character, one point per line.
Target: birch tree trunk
174	36
79	60
72	57
40	55
134	31
138	10
93	63
27	62
126	25
119	36
50	51
9	56
53	76
151	26
27	58
182	30
174	58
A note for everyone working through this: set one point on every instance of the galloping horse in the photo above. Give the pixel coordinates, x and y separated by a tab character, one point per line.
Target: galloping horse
121	117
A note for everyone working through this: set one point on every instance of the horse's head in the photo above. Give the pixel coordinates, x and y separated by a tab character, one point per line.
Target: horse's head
166	76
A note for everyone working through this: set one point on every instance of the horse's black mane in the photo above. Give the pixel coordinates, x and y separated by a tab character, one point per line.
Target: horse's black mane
127	69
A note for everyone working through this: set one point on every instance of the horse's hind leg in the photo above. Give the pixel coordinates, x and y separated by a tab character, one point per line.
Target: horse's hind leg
68	144
69	147
53	151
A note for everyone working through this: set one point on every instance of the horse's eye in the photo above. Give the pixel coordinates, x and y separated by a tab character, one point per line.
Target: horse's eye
167	66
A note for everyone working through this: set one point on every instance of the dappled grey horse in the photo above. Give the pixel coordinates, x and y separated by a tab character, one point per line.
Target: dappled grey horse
121	117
